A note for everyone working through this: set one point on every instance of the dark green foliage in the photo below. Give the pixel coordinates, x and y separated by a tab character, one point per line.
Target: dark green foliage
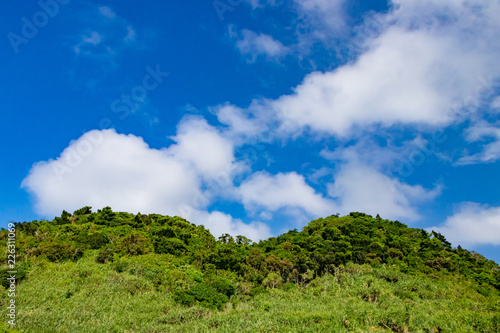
64	219
105	255
83	211
339	274
106	217
57	252
202	293
223	286
134	244
176	256
173	246
95	240
21	270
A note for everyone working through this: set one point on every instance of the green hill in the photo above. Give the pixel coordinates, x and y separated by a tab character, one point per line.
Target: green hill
117	272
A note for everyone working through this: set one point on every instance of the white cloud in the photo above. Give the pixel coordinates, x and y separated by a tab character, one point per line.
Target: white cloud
430	58
358	187
363	179
114	170
202	146
238	122
490	151
353	186
253	45
472	224
103	168
284	190
406	77
220	223
246	125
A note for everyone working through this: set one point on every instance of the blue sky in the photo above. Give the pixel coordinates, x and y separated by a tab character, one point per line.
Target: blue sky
254	117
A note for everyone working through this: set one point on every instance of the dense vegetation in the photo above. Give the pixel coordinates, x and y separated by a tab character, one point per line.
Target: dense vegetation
117	272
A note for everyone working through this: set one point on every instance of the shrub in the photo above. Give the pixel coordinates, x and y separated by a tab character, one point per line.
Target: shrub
94	240
105	255
134	244
57	252
224	287
170	245
202	293
21	269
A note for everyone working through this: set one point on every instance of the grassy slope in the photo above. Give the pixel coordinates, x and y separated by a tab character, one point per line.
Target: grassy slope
118	272
84	296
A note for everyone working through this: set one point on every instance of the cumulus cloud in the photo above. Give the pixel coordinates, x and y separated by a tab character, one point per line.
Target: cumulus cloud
283	190
359	187
406	77
472	224
220	223
364	181
203	147
103	168
428	61
253	45
241	126
353	186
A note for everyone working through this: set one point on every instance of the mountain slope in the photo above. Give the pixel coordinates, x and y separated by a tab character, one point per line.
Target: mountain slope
107	271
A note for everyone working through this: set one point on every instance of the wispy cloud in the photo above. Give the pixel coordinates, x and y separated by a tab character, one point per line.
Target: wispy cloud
91	40
490	151
107	12
106	36
253	45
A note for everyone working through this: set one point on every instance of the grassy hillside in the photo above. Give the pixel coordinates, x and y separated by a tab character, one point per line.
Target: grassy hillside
118	272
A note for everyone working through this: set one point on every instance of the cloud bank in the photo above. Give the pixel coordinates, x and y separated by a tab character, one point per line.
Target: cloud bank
104	168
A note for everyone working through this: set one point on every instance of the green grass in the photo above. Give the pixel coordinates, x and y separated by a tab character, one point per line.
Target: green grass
85	296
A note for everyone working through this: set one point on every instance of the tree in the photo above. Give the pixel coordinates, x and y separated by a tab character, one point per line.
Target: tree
83	211
272	280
